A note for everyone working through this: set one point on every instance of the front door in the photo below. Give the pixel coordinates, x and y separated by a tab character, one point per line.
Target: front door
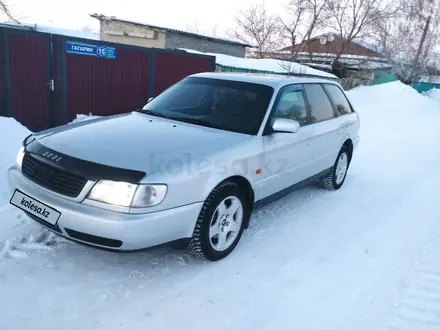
286	154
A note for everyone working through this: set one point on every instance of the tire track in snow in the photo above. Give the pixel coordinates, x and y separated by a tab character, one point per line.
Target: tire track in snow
419	305
20	247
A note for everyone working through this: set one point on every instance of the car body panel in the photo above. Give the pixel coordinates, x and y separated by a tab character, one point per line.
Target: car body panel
140	142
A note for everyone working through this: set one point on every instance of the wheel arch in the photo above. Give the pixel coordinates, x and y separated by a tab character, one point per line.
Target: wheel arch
349	145
247	189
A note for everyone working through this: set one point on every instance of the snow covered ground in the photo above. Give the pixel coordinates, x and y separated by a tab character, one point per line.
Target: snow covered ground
366	257
434	94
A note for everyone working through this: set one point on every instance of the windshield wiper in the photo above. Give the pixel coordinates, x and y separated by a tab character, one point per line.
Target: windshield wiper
194	121
183	119
153	113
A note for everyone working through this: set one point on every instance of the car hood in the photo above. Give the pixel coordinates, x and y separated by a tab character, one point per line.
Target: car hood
138	141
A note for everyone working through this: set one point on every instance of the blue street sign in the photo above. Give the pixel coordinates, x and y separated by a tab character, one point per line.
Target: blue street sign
81	48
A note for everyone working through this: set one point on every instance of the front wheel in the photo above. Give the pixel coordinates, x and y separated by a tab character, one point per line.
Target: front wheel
336	177
220	223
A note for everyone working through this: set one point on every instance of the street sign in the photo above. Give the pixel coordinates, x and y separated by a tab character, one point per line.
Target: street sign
80	48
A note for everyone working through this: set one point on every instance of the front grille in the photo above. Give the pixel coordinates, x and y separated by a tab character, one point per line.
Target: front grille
49	177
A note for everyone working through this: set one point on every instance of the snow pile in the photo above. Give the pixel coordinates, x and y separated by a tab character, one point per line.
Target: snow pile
15	133
391	96
265	64
433	94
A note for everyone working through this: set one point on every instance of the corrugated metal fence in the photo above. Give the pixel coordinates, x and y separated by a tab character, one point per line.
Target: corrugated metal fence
46	80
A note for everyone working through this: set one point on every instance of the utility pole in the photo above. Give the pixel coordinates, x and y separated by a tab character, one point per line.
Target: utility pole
419	50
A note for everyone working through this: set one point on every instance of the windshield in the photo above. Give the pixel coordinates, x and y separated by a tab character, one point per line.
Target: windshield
229	105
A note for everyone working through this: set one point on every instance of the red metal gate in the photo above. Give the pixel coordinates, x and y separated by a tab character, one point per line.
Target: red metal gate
3	91
106	86
44	83
30	77
172	67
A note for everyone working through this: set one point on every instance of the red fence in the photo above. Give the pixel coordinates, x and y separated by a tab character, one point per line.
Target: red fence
45	81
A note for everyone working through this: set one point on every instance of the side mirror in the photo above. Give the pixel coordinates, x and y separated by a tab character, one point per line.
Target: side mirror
281	125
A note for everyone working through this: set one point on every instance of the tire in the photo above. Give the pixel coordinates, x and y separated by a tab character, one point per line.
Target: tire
336	177
219	228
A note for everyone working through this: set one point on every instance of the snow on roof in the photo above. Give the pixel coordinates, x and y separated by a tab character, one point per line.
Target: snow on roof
52	30
265	64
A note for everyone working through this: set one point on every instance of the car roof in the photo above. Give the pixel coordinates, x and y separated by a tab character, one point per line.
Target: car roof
275	81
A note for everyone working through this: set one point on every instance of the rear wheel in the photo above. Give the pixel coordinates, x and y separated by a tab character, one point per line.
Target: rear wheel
336	177
220	223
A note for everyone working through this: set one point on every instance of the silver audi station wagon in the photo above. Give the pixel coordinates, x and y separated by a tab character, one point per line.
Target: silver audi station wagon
191	165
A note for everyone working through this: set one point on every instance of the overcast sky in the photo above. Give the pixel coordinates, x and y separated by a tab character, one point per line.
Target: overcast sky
180	14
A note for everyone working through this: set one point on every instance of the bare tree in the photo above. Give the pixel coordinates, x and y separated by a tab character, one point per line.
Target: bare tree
194	27
292	68
214	30
318	12
257	27
4	8
409	40
290	26
303	19
87	28
353	19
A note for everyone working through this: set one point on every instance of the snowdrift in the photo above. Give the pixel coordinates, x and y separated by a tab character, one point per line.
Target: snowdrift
434	94
392	95
13	134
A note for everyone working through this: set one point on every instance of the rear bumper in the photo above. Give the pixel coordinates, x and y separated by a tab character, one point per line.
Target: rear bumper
110	229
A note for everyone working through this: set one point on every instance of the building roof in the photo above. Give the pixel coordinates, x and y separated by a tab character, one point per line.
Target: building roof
274	81
196	35
332	43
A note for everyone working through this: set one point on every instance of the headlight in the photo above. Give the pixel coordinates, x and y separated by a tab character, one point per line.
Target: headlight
20	156
128	194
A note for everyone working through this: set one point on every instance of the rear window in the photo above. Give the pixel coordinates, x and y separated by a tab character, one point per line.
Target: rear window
340	102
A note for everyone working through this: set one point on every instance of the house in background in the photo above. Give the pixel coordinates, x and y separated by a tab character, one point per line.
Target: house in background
116	30
361	64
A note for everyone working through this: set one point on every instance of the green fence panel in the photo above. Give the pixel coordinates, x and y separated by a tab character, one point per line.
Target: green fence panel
424	87
382	77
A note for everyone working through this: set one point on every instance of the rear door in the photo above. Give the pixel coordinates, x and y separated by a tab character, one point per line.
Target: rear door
325	128
347	118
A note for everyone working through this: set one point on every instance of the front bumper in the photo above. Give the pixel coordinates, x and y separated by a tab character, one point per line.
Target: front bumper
110	229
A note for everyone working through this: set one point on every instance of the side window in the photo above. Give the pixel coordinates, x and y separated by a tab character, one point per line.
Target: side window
291	105
342	107
320	106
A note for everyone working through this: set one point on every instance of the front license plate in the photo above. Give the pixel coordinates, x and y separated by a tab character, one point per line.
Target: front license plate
34	207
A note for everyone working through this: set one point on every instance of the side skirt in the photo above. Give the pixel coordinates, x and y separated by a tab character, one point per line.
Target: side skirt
288	190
